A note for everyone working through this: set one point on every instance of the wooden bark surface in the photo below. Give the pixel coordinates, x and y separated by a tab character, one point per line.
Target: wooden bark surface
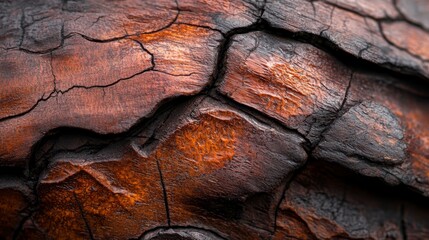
194	119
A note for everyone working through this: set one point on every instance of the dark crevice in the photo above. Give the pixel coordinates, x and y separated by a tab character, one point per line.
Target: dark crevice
91	39
49	50
260	116
169	24
42	99
356	64
348	59
339	112
260	20
399	192
152	56
164	192
287	183
40	156
55	93
219	68
42	152
126	36
11	172
35	169
79	205
175	75
96	20
379	22
400	196
282	197
102	86
402	222
380	27
346	94
261	10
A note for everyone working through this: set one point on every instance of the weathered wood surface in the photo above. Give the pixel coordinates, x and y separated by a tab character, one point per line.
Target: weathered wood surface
240	119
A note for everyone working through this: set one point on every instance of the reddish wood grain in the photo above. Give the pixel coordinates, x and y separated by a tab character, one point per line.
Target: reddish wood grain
229	163
293	82
109	98
78	194
197	119
125	183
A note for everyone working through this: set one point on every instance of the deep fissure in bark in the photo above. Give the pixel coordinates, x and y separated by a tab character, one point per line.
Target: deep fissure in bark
37	166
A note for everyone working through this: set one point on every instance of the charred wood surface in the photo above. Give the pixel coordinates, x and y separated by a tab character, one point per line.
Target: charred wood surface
194	119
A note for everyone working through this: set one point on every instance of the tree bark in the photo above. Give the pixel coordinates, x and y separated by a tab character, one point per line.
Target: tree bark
242	119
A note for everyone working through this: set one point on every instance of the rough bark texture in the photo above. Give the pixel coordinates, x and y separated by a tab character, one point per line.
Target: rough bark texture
194	119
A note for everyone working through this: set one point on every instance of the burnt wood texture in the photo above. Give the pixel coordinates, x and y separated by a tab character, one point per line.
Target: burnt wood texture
201	119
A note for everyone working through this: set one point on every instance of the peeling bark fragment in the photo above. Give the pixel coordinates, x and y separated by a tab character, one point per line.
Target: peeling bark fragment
351	32
230	164
320	205
410	108
103	110
14	199
366	132
110	98
207	150
296	83
115	187
194	119
367	139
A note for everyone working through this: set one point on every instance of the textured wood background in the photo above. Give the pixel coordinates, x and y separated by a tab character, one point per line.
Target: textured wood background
201	119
